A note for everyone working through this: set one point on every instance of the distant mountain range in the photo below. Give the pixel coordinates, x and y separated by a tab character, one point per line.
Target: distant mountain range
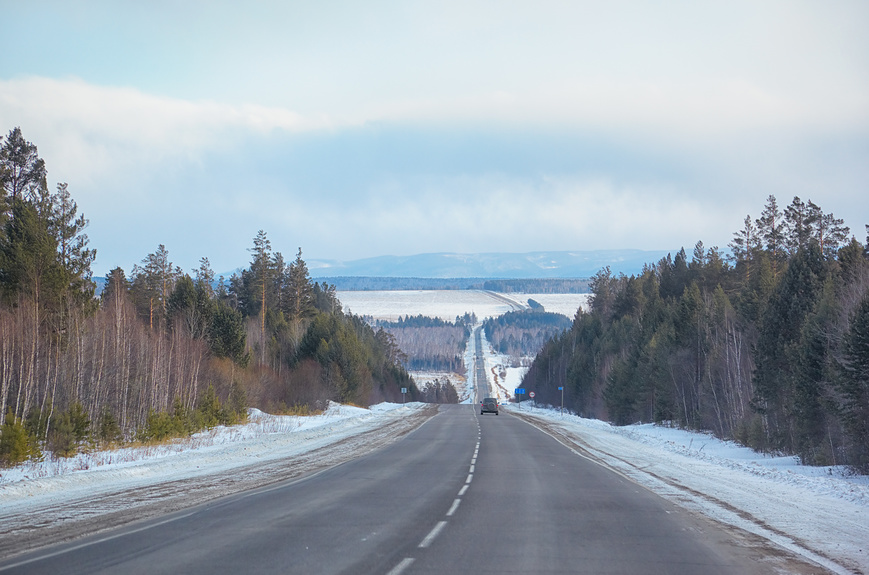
568	264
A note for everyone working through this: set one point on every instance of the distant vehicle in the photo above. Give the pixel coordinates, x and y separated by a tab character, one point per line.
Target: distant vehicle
489	404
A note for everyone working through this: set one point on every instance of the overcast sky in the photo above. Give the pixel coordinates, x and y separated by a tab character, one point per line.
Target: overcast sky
358	129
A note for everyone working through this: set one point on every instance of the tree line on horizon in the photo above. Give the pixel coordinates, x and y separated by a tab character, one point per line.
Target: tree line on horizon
768	346
160	352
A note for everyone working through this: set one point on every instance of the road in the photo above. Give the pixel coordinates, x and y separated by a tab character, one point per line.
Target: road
481	383
462	493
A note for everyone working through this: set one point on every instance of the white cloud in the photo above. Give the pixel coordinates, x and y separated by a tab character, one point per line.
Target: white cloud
494	213
98	134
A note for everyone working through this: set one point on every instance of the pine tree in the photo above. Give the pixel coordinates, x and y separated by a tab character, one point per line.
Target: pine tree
152	285
855	386
798	219
299	299
22	171
830	233
771	229
205	278
261	273
744	247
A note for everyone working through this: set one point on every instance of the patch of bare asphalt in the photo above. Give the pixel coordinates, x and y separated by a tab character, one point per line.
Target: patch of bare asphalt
757	547
88	516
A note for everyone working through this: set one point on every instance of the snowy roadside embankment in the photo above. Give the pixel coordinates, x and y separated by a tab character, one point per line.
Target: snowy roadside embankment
819	513
57	500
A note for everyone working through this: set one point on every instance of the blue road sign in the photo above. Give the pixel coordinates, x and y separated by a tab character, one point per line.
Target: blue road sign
520	391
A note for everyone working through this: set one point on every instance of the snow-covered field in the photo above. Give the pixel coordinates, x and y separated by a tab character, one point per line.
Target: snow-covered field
448	304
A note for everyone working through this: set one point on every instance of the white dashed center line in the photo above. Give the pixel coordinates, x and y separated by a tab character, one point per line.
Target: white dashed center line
434	533
398	569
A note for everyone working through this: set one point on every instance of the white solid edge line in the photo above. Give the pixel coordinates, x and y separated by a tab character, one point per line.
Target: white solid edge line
432	534
404	564
98	541
453	508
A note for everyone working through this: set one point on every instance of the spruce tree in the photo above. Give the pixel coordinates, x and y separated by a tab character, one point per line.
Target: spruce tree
855	387
776	354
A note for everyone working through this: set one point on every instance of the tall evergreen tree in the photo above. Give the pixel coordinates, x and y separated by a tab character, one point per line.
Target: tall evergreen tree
798	220
855	386
772	230
152	284
262	273
777	349
72	244
116	286
830	232
22	171
299	299
744	247
205	277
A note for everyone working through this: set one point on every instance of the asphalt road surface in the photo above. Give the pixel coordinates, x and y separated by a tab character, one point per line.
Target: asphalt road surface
464	493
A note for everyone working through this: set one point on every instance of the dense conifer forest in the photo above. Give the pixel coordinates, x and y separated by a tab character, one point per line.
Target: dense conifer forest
768	345
160	352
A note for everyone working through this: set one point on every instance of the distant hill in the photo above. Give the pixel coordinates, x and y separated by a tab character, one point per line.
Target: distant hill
473	271
568	264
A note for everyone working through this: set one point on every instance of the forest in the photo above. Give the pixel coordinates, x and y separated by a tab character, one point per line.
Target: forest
768	345
160	352
536	285
523	333
429	343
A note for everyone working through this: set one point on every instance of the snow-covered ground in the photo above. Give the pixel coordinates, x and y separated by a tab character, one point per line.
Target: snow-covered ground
263	436
448	304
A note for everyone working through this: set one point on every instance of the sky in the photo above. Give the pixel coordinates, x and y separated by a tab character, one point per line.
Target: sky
359	129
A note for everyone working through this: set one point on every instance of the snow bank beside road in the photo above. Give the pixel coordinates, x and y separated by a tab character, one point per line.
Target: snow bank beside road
263	437
819	513
51	502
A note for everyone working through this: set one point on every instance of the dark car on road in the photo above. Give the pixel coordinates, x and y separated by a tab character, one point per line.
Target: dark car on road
489	404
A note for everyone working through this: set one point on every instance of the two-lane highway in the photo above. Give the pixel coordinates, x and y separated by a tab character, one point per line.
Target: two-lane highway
463	493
